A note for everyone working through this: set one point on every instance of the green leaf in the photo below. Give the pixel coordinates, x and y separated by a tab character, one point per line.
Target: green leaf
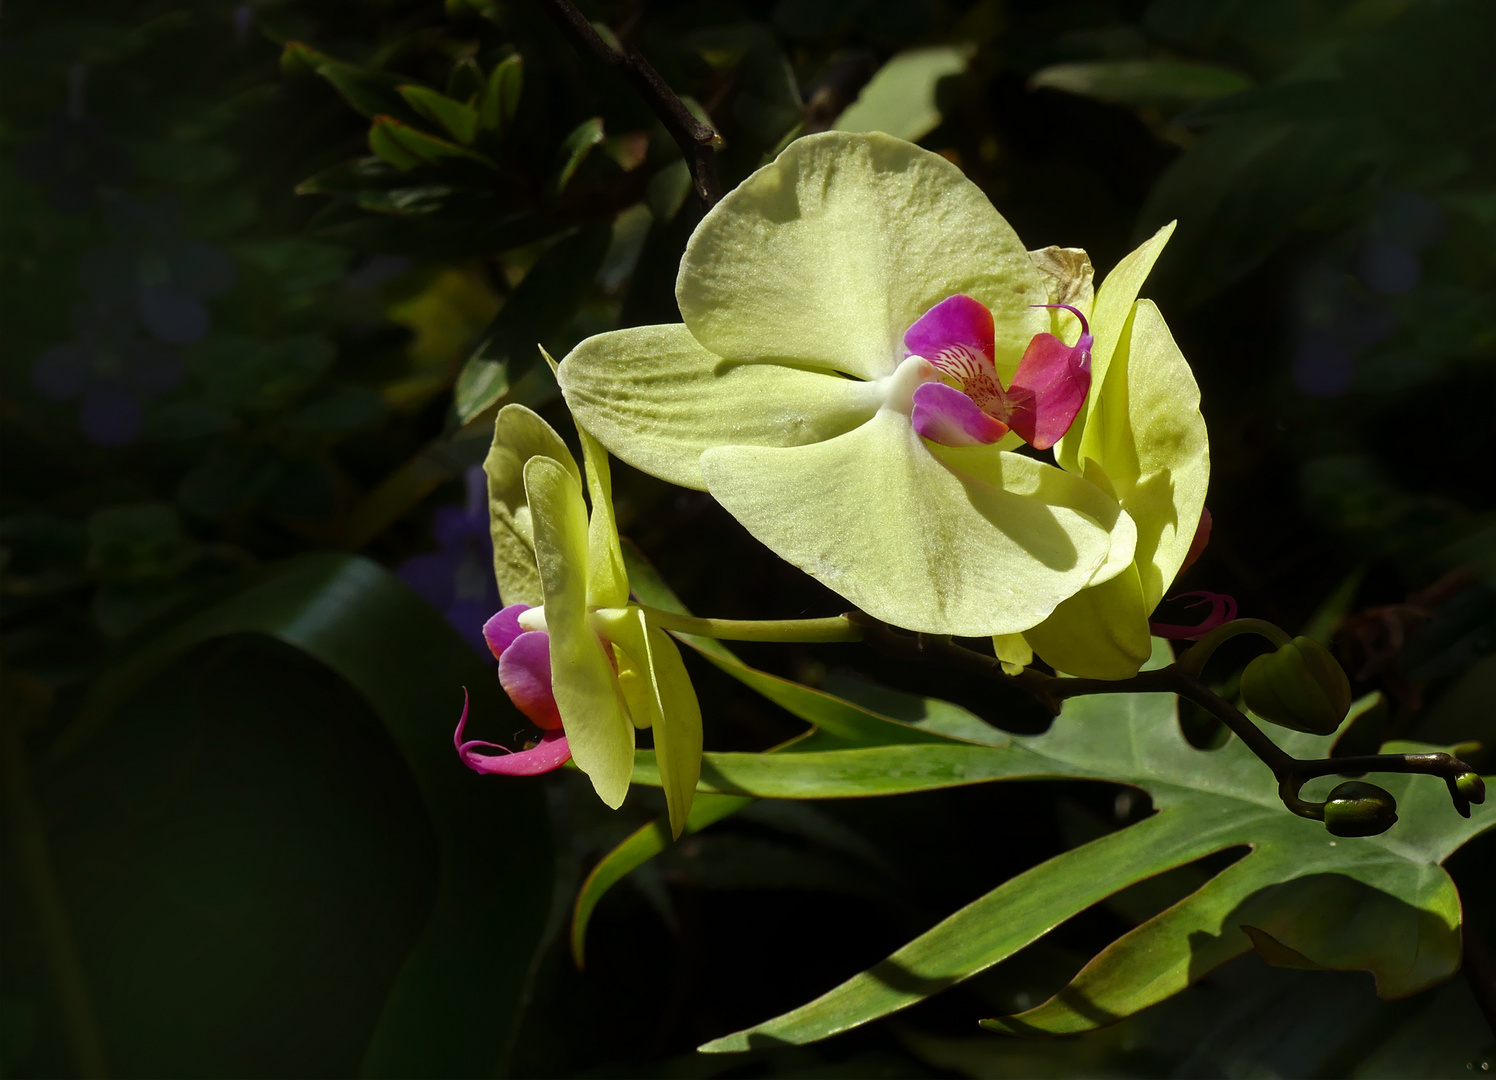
480	385
900	99
574	151
642	845
401	655
406	147
1380	904
542	304
459	120
501	93
370	93
465	82
1163	83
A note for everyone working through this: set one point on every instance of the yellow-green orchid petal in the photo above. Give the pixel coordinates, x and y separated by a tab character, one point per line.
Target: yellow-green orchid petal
877	517
518	436
607	580
657	399
582	677
1146	445
1099	633
667	701
829	253
1149	438
677	732
1013	651
1112	305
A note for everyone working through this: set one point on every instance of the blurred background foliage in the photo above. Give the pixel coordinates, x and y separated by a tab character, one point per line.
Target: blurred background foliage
269	268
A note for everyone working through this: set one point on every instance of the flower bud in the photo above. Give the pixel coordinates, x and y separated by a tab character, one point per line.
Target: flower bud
1301	686
1360	809
1471	786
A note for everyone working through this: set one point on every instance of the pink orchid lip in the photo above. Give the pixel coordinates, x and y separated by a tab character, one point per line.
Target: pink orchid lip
545	756
1048	389
1222	610
503	627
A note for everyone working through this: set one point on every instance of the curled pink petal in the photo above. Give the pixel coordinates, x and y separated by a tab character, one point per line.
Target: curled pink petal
550	753
956	336
950	418
1197	545
1222	610
525	675
501	630
1050	385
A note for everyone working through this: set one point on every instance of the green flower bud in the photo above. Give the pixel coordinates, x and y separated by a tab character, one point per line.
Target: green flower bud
1471	786
1359	809
1301	686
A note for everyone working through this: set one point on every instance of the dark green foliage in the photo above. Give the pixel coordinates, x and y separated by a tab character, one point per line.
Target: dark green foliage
266	272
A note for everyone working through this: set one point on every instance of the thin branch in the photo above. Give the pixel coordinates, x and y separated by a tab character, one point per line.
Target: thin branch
1178	678
697	140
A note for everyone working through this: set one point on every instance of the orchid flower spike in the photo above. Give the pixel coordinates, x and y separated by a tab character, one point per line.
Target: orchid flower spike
575	655
865	342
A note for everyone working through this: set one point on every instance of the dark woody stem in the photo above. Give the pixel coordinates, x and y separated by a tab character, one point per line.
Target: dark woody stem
696	139
1178	678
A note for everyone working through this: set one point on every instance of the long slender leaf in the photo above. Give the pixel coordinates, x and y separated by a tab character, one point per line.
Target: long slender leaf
1307	897
493	839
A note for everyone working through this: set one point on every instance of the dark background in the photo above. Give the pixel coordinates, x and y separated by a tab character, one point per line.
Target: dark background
220	867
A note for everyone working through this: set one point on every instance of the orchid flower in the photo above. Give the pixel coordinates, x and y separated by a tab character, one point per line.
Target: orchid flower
1141	438
575	655
865	342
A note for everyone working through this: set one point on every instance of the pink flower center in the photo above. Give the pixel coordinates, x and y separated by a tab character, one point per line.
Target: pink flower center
969	404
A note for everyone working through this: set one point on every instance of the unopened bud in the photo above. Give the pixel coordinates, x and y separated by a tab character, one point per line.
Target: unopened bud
1471	786
1360	809
1301	686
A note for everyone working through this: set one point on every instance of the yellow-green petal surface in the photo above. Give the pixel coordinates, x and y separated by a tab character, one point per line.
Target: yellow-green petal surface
1146	433
1099	633
875	516
582	678
607	580
518	435
655	398
1113	304
830	252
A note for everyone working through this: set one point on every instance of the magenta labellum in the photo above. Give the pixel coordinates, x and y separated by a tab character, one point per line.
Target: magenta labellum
1218	609
550	753
969	405
525	674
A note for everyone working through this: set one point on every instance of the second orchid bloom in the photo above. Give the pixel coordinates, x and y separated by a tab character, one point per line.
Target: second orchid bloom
576	656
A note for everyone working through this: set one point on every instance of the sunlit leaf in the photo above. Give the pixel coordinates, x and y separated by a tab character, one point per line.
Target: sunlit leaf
1142	82
1330	900
900	99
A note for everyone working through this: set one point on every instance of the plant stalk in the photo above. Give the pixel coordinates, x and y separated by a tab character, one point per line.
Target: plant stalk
696	139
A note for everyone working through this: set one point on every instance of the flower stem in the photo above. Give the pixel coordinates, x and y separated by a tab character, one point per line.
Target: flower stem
833	628
1194	660
1180	678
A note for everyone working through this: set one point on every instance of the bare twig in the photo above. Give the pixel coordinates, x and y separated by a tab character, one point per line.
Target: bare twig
697	140
1179	678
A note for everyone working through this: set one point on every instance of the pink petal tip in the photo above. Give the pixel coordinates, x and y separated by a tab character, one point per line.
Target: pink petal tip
946	416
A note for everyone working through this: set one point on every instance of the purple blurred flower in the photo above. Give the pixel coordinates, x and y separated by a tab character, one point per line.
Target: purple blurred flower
115	377
457	578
